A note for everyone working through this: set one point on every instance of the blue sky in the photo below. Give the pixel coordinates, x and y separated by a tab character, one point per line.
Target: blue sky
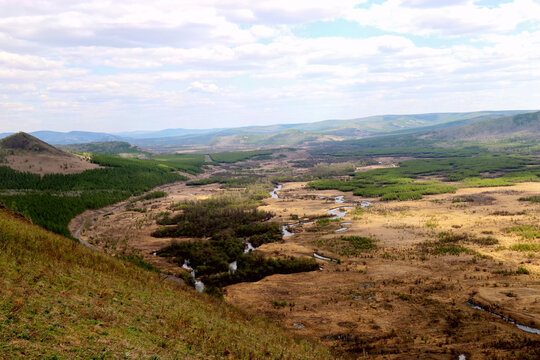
131	65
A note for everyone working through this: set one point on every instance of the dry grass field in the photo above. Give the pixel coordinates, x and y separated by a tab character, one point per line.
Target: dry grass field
405	297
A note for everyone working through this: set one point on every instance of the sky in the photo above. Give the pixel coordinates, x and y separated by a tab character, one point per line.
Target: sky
122	65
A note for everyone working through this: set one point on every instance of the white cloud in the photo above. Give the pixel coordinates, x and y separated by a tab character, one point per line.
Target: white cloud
457	18
131	61
29	62
204	87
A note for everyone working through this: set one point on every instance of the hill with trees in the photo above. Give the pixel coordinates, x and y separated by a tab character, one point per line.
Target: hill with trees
515	126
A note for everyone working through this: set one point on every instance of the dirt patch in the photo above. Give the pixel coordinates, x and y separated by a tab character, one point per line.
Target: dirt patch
48	164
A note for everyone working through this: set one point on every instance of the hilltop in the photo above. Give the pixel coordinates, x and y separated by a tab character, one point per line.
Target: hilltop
26	153
62	300
26	142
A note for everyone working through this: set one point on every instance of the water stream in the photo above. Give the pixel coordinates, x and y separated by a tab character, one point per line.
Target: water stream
233	267
199	286
274	194
338	213
186	266
320	257
249	247
344	226
519	326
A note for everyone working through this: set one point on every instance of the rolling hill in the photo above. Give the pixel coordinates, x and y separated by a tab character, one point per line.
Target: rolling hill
276	135
105	147
317	132
514	126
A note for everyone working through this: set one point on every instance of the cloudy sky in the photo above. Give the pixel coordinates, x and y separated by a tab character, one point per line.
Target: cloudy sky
130	65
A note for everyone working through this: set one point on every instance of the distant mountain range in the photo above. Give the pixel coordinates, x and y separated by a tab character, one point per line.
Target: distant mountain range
72	137
294	134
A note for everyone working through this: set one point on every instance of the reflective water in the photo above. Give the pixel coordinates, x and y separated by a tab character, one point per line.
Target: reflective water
233	267
519	326
320	257
274	194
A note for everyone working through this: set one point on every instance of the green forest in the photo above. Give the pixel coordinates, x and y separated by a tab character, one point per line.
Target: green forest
236	156
404	182
53	200
226	222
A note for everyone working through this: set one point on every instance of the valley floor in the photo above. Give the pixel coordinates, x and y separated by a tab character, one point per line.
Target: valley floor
406	298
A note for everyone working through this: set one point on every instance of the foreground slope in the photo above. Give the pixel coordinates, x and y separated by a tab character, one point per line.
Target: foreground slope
61	300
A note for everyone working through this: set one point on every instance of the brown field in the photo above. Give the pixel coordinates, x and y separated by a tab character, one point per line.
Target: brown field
401	300
48	163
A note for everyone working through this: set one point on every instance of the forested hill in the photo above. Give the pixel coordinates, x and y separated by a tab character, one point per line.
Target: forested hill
105	147
521	125
53	200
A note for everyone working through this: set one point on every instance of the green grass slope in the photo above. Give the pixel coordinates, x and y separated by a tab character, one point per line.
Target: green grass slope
60	300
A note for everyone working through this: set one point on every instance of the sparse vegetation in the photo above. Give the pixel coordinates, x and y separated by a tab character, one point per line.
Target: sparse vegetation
347	245
150	196
236	156
528	232
534	199
449	243
525	247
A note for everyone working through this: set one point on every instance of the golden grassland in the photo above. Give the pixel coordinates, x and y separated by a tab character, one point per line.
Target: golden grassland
61	300
407	298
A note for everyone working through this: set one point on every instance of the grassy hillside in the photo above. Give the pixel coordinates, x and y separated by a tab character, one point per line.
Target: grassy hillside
60	300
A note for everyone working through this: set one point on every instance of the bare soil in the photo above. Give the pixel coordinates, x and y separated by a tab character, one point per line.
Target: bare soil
48	163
